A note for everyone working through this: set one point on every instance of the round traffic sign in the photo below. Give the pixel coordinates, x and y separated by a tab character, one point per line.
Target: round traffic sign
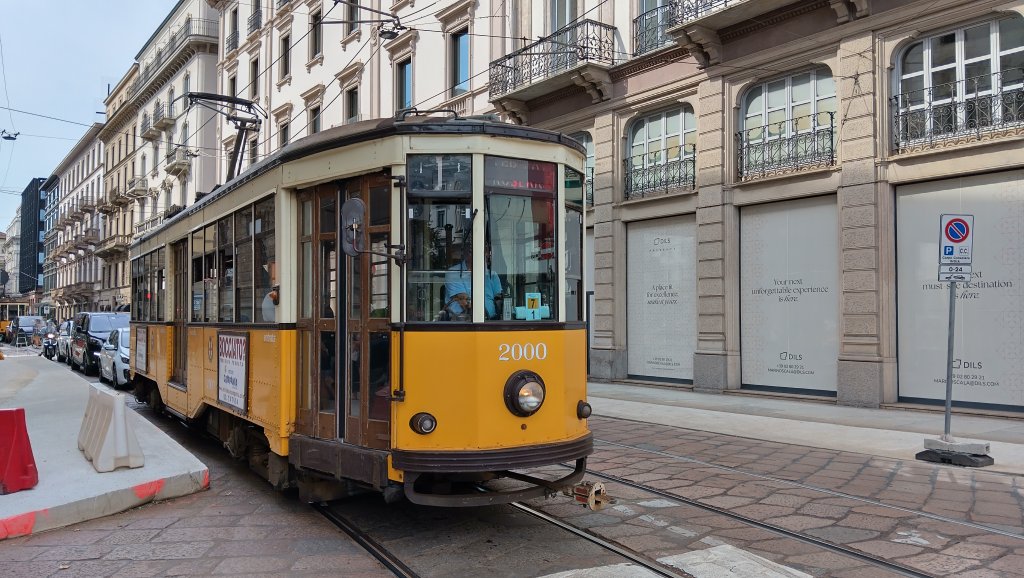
957	230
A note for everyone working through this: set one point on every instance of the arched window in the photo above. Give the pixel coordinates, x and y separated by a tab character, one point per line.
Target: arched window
788	123
184	135
185	84
961	82
170	102
661	153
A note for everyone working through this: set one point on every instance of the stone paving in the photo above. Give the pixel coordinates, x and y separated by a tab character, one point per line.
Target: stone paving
943	548
240	527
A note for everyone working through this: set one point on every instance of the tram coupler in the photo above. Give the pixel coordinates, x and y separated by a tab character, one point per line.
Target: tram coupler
589	494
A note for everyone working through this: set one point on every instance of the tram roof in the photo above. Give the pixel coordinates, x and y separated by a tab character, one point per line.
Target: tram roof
365	130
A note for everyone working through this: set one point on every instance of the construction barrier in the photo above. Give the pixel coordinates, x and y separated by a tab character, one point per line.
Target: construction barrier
17	466
107	437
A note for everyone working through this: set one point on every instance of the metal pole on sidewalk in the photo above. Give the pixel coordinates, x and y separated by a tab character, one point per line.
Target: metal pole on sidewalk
946	437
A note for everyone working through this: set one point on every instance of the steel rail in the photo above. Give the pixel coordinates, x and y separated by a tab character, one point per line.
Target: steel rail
807	539
835	493
385	557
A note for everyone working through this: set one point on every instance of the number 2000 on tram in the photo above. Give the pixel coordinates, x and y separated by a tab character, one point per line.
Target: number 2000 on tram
393	304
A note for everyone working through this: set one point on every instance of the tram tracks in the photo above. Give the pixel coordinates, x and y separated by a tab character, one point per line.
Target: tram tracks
365	541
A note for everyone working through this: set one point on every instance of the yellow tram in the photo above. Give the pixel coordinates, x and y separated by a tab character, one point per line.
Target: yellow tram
392	304
8	311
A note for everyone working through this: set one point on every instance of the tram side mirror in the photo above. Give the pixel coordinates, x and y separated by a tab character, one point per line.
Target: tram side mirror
353	236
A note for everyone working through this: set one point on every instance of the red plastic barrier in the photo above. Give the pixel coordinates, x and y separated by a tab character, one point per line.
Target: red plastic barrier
17	466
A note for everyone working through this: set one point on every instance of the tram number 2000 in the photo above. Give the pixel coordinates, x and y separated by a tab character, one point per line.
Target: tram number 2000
521	351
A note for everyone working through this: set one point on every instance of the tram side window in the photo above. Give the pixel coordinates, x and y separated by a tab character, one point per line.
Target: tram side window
198	286
148	287
226	269
440	227
211	273
265	261
243	278
521	252
573	245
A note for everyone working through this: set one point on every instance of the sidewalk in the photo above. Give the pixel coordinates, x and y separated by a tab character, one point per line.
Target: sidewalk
70	490
893	433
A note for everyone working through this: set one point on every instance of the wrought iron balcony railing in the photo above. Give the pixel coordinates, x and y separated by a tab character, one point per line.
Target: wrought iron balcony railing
191	27
649	29
146	123
684	11
255	20
966	109
584	42
158	112
787	146
231	42
654	173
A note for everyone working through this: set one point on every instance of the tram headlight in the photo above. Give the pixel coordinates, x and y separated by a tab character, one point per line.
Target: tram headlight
423	423
524	393
583	410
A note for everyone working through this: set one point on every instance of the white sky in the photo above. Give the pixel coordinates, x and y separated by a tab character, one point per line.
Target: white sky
59	57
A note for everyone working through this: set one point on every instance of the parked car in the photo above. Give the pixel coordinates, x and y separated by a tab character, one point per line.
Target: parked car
64	342
114	358
89	332
22	325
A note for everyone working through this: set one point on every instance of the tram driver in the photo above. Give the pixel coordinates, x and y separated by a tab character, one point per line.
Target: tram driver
458	285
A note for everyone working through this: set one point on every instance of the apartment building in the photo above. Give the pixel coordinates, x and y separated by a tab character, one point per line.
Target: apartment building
769	179
122	188
11	251
310	65
75	227
33	229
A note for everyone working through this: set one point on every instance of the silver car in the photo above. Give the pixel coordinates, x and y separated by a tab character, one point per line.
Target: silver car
64	342
114	357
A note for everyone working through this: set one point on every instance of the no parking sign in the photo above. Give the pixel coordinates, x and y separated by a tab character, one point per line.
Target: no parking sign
956	245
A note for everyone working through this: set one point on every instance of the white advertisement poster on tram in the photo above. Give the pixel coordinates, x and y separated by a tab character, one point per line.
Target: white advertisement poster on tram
662	298
988	361
789	296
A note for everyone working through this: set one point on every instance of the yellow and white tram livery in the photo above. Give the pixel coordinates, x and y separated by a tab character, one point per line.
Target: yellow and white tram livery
392	304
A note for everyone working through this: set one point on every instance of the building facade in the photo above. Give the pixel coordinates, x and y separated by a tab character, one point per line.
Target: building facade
79	229
11	250
122	186
769	178
51	188
310	66
30	259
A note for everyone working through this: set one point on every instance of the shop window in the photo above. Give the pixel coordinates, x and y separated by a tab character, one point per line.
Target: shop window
588	170
960	83
787	124
661	153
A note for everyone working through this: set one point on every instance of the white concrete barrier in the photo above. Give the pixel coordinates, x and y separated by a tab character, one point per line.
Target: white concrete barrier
107	438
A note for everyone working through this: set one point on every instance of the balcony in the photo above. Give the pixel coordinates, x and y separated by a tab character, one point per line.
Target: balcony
193	30
231	42
650	29
88	238
137	187
178	161
148	225
281	4
694	24
659	173
255	20
785	147
162	117
113	246
75	213
147	130
982	108
580	54
88	205
106	203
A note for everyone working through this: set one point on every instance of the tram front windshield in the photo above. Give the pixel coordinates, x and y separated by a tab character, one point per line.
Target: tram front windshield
518	248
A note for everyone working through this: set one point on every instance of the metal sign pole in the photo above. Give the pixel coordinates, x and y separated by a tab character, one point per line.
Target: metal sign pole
946	437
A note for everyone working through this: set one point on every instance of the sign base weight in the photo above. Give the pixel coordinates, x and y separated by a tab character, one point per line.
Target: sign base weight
955	458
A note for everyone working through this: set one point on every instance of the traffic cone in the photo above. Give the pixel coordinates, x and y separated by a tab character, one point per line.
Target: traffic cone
17	466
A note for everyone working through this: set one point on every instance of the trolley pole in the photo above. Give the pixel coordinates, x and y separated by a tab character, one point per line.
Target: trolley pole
956	246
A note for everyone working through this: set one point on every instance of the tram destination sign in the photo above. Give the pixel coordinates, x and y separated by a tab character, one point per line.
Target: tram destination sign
956	247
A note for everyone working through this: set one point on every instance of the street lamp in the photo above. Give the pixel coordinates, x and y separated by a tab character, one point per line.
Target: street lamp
8	135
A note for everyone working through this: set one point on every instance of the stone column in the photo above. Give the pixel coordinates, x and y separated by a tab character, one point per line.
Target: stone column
608	319
867	355
716	364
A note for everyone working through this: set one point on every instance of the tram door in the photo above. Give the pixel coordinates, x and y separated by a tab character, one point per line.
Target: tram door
367	331
179	260
317	325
